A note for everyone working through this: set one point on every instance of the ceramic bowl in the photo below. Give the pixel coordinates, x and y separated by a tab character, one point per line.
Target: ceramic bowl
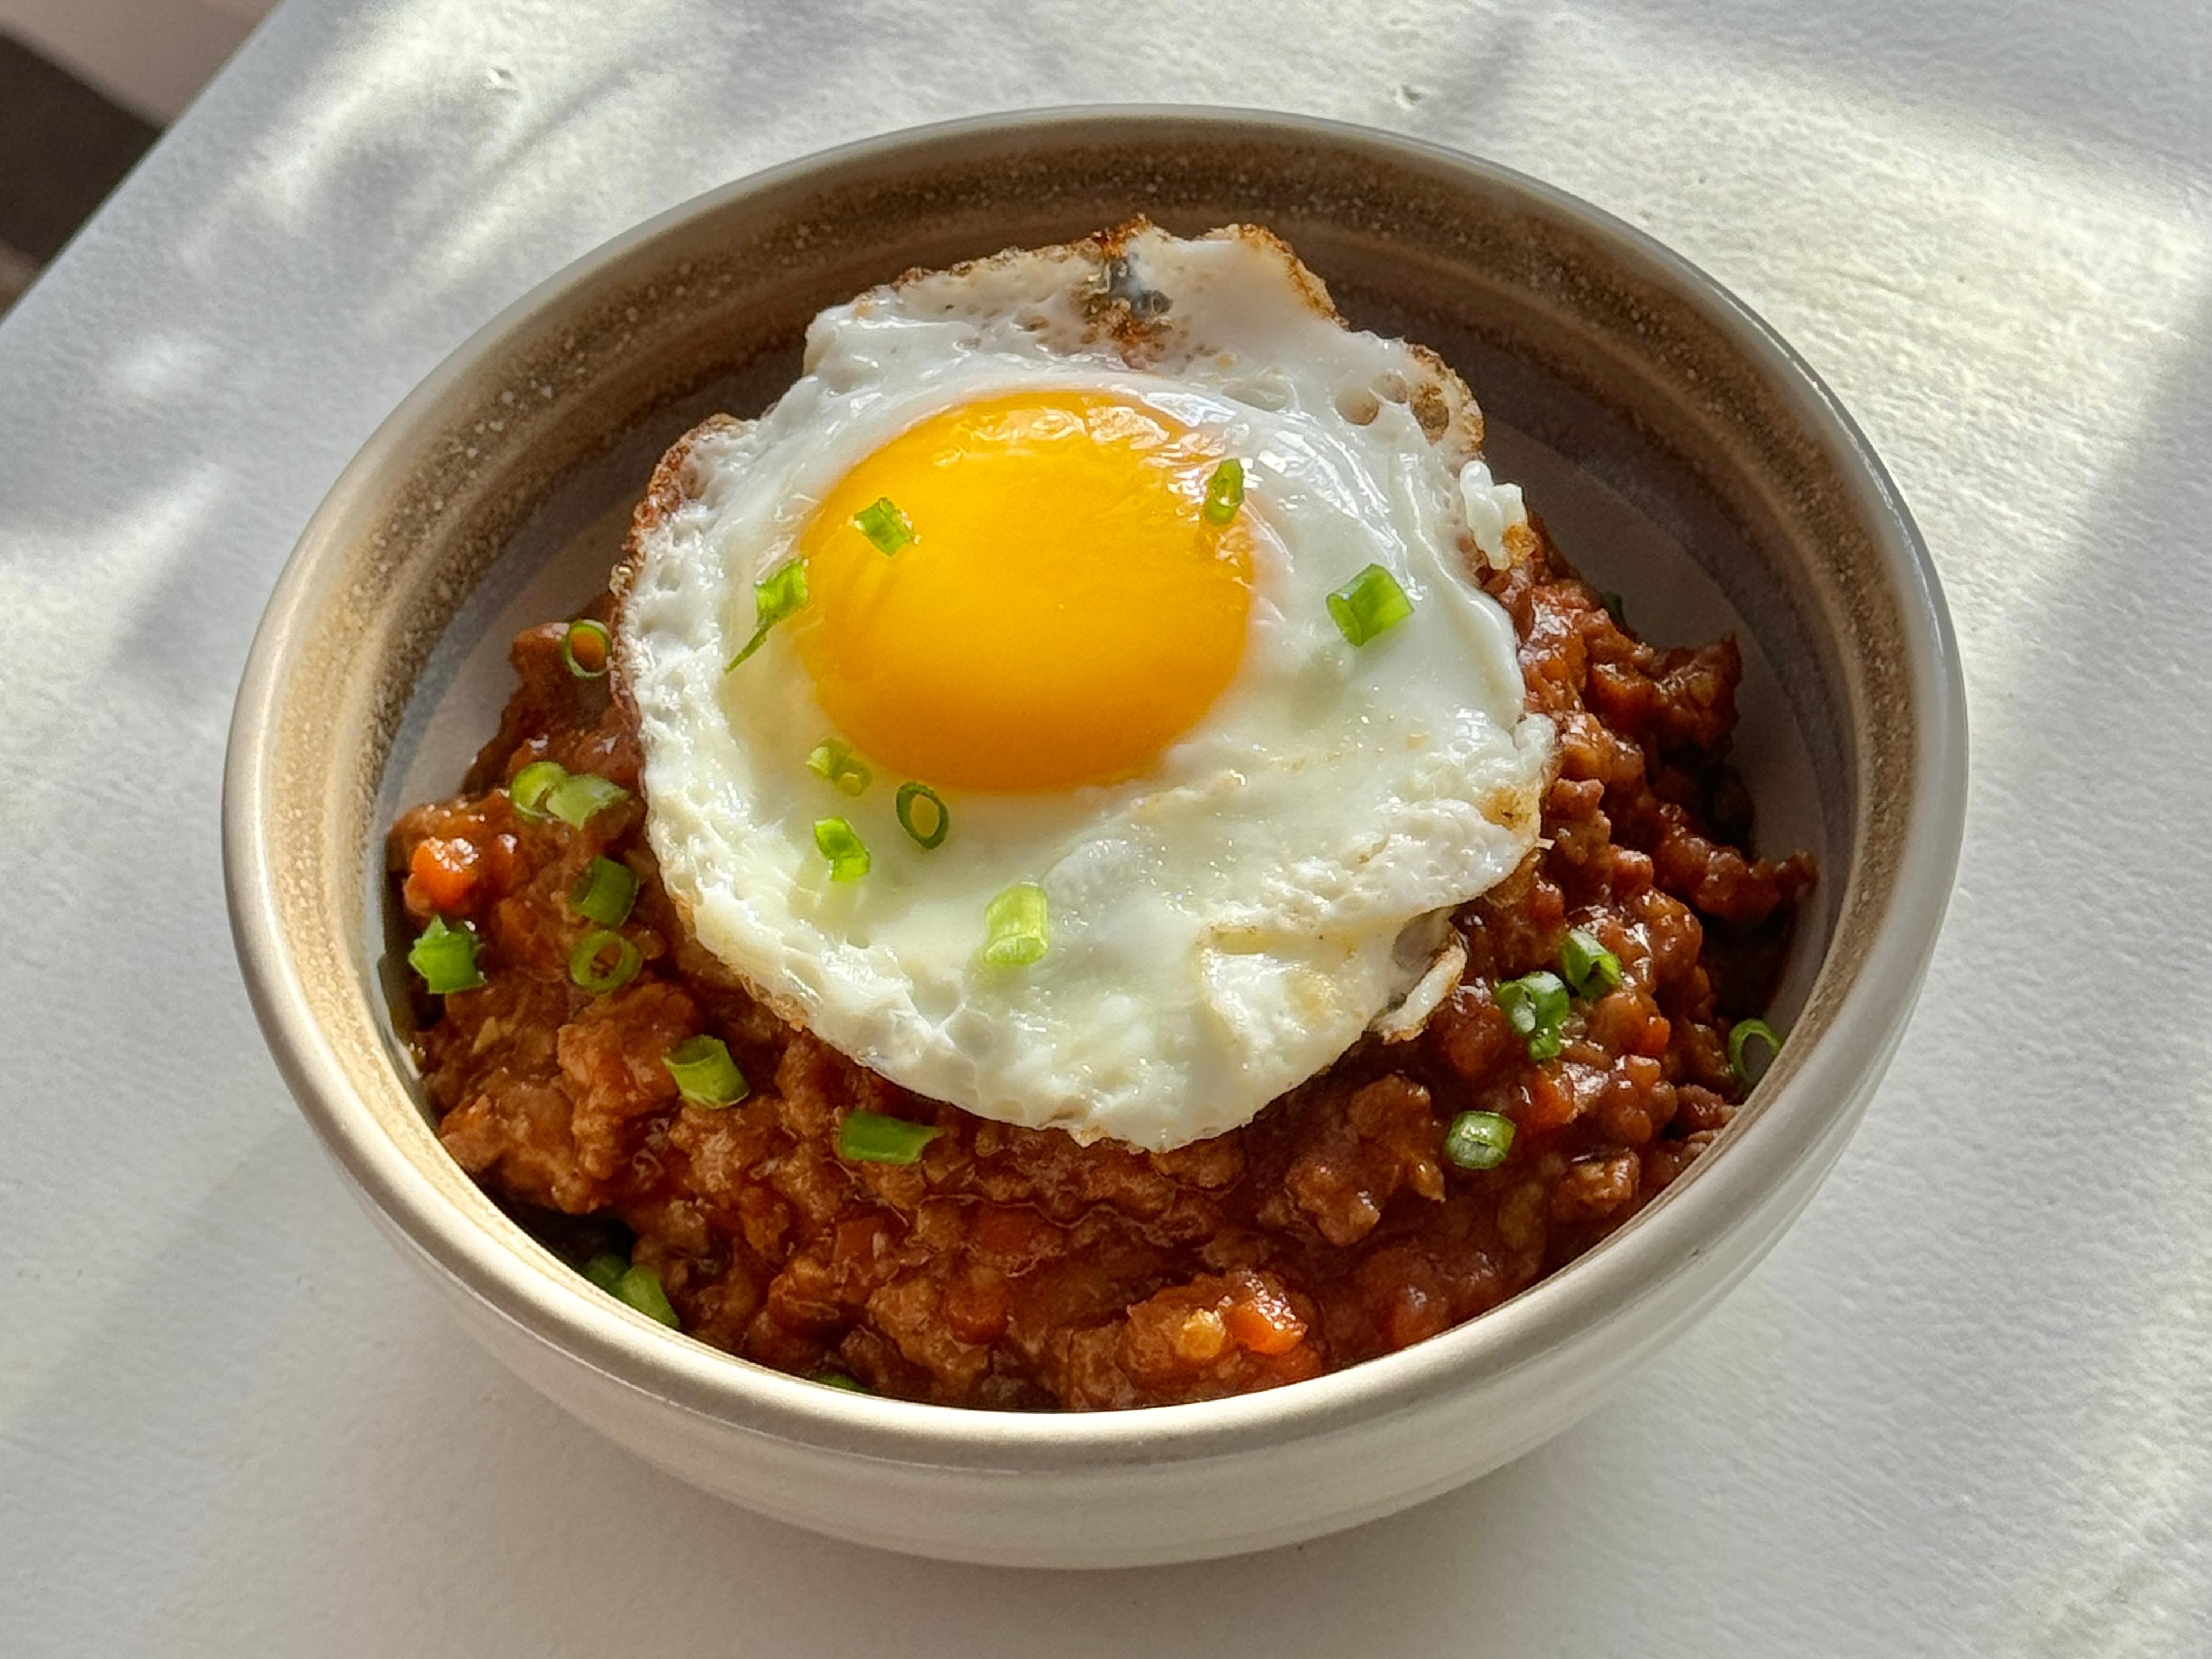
1680	451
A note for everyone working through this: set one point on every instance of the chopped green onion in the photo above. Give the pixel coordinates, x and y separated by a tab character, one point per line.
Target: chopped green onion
605	1270
881	523
1478	1141
598	649
1615	607
1535	1006
833	760
910	792
578	796
584	962
781	593
1371	603
871	1138
640	1286
533	784
837	1379
704	1072
604	893
1017	925
836	840
1225	492
775	596
1590	967
446	956
1750	1030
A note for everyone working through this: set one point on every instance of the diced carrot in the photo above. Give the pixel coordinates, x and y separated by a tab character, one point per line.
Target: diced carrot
1550	1106
1651	1042
443	873
1264	1324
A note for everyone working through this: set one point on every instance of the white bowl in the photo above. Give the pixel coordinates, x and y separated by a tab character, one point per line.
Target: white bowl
1651	399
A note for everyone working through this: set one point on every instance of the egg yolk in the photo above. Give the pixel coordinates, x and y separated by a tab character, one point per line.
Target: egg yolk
1063	612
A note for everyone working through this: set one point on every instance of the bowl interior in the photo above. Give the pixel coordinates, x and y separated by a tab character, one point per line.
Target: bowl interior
1678	454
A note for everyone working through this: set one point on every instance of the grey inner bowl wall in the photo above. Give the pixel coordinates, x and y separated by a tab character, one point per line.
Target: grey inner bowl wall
708	313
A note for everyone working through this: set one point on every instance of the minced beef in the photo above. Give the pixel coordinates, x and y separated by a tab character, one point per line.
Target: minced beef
1011	1267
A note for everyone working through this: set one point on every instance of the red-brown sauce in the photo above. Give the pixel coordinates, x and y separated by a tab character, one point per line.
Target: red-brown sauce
1011	1267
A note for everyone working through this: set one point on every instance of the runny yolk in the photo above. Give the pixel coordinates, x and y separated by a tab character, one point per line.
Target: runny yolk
1063	613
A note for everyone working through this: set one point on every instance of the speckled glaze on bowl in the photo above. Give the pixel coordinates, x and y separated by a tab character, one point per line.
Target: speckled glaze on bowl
1583	333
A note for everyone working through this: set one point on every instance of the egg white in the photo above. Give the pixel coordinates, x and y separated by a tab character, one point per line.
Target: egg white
1222	927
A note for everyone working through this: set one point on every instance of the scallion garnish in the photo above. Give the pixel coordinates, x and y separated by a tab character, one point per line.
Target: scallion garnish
1371	603
446	956
533	784
1750	1030
605	1270
837	1379
704	1072
1535	1006
775	596
578	796
1017	927
942	820
586	647
1478	1141
1615	607
881	523
871	1138
584	961
604	893
847	853
1225	492
1590	969
833	761
640	1286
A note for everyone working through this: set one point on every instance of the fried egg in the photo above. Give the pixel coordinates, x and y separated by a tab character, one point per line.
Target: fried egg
1212	836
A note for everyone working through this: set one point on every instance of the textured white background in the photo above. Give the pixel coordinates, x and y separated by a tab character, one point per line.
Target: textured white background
1966	1407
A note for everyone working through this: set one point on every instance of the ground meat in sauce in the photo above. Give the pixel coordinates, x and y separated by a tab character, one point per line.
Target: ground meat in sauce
1011	1267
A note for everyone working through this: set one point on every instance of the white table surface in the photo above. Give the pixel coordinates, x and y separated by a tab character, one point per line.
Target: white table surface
1964	1408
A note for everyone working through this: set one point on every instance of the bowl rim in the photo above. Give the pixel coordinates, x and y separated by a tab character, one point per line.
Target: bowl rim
1816	1101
